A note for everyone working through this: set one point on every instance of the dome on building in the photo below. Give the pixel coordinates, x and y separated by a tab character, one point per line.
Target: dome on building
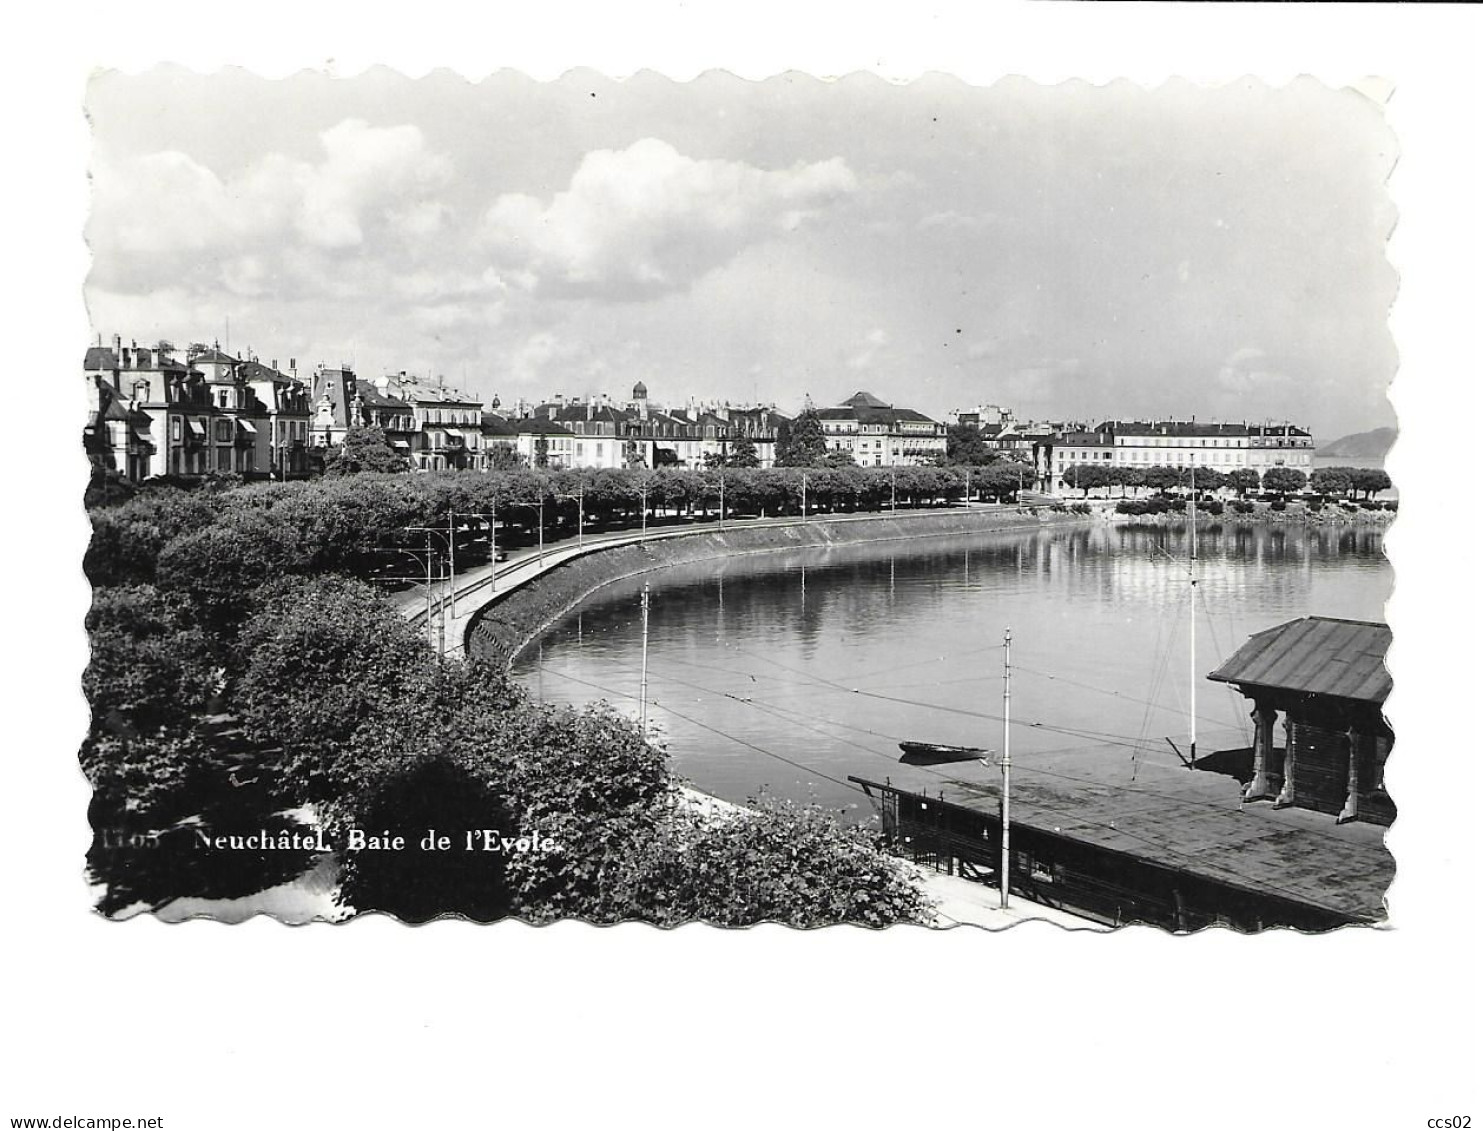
640	391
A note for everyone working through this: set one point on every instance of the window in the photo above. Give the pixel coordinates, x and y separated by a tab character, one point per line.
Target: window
223	431
175	429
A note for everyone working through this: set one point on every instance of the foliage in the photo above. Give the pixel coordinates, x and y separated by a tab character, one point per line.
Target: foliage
1331	481
221	566
743	453
108	488
127	539
364	448
1242	480
428	795
775	862
502	457
1283	480
147	780
965	446
803	443
324	661
151	665
542	451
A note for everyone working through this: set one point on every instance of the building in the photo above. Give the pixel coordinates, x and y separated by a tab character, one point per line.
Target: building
117	436
152	414
283	446
543	442
497	436
1177	443
642	433
877	434
1326	678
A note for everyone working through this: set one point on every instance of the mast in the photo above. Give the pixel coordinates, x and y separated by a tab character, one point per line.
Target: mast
1194	582
1004	791
644	664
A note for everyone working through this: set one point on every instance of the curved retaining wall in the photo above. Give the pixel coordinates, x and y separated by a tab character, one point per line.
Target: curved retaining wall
506	624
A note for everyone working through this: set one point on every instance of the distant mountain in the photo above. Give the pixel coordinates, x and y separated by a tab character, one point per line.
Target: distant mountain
1360	445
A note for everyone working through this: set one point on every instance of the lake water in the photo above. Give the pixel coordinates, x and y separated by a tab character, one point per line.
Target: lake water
789	672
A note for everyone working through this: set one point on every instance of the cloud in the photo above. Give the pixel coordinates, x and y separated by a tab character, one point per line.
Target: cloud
867	354
648	220
1249	372
163	217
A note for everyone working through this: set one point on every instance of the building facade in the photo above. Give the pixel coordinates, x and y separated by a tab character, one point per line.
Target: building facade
877	434
1180	444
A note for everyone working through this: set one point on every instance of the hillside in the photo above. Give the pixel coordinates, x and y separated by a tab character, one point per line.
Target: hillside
1360	445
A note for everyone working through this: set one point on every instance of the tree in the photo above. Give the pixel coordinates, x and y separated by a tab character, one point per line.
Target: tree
1085	476
743	453
152	675
837	458
1332	481
502	457
364	448
325	659
803	443
965	445
1162	477
1369	480
1243	479
542	451
1283	480
127	539
151	665
221	567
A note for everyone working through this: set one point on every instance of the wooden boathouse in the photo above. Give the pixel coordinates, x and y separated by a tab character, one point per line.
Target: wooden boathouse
1326	678
1161	845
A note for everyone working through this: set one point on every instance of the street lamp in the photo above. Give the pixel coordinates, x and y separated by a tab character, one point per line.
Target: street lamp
804	476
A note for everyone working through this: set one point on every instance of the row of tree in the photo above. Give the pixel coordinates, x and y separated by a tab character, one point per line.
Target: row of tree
233	539
1347	482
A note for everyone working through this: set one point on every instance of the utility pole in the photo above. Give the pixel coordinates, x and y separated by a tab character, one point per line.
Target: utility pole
452	592
1004	791
967	485
805	496
493	547
893	486
644	664
723	500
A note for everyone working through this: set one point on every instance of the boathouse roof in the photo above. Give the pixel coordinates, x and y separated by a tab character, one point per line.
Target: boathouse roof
1344	659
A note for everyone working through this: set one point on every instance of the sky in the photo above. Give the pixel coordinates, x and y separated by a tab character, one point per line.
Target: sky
1069	252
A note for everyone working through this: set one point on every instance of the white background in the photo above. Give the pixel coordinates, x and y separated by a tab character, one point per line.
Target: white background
377	1024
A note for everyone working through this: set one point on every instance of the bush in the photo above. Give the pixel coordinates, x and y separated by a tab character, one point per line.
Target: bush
221	567
1243	506
325	664
776	862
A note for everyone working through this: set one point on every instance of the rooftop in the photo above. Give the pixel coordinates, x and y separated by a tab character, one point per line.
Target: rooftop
1343	659
1191	820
